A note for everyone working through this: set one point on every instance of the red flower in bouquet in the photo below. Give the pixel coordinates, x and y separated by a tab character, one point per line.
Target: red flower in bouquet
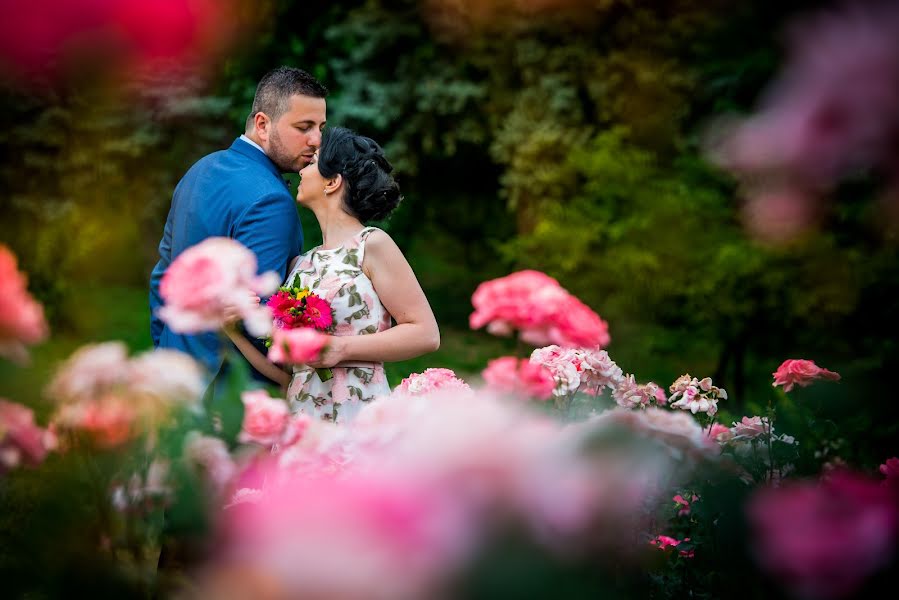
317	313
295	307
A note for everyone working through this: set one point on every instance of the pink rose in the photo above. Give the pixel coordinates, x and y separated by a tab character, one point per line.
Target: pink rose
205	280
800	372
21	317
21	441
210	455
297	346
108	422
430	381
519	376
823	539
264	419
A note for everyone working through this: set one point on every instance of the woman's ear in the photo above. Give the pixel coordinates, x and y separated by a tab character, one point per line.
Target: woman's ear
333	185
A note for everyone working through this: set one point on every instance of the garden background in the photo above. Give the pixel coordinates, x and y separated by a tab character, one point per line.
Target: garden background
567	140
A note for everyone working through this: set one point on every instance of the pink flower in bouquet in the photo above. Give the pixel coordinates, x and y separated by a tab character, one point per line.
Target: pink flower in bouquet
264	420
21	440
284	310
800	372
519	376
539	308
205	280
430	381
296	346
824	539
317	313
21	317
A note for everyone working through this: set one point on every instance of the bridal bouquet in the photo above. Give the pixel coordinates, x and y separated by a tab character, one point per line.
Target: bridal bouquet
294	307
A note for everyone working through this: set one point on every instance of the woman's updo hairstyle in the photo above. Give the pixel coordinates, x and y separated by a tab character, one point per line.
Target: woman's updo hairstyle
371	192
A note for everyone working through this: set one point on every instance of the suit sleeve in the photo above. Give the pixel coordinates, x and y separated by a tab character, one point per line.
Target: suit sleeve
270	228
165	258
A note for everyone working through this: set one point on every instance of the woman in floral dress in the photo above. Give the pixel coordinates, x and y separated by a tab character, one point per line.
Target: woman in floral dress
380	311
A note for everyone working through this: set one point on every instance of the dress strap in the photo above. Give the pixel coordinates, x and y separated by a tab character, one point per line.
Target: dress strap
362	236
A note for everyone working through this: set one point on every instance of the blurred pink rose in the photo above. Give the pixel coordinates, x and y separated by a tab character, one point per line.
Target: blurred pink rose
264	420
39	38
800	372
108	421
519	376
777	216
539	308
822	540
296	346
21	317
99	390
750	428
719	432
21	440
210	456
890	470
206	280
371	536
431	380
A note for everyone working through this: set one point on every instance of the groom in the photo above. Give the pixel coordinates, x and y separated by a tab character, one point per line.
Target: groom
239	193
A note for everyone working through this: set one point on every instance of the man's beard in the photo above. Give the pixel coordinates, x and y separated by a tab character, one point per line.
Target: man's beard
279	156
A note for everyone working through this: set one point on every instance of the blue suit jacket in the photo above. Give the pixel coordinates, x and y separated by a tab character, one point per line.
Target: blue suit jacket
236	193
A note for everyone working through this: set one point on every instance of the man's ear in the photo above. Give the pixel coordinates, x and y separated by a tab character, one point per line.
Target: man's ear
262	125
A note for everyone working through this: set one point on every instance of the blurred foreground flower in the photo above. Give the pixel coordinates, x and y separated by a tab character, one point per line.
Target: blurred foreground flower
207	280
800	372
519	376
21	440
21	317
103	393
431	380
133	36
832	113
543	313
823	539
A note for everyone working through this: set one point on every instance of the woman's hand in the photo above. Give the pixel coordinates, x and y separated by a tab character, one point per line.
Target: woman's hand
334	353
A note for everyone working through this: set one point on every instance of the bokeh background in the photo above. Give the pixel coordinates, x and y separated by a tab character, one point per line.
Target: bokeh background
561	135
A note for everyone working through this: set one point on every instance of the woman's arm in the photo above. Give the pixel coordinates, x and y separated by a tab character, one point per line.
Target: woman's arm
416	331
257	359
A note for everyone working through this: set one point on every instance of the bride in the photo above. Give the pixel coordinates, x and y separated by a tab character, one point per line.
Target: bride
380	311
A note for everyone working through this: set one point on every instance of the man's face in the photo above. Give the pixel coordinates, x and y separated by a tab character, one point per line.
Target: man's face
297	134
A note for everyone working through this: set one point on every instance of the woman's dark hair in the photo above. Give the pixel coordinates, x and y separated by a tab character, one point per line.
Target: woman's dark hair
371	192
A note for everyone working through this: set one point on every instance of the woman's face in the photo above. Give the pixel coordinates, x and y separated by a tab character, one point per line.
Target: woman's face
312	184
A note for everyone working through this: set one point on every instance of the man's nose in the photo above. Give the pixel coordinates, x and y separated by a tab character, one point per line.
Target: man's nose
315	138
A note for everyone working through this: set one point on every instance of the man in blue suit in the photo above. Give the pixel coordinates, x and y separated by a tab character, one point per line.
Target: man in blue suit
239	193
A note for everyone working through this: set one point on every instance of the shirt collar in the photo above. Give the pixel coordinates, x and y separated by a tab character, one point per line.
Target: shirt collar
252	143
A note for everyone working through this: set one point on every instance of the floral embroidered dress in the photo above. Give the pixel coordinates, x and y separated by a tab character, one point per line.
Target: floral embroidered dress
336	275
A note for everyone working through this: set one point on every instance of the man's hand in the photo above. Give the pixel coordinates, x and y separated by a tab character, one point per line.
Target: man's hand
233	315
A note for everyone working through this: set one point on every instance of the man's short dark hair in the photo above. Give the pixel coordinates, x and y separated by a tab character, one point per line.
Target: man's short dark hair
278	85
